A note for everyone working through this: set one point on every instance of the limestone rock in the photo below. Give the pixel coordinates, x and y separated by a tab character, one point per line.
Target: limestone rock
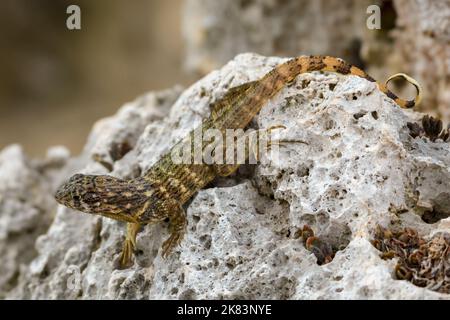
358	166
26	207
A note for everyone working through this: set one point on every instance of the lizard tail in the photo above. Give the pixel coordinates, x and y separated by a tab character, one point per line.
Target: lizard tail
406	103
332	64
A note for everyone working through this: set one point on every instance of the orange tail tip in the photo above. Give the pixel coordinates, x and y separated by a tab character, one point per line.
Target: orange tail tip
405	103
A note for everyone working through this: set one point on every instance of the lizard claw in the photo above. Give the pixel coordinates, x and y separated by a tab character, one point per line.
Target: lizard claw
129	245
127	253
274	127
171	243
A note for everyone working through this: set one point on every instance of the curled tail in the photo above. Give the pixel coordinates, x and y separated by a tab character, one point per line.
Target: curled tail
342	67
404	103
304	64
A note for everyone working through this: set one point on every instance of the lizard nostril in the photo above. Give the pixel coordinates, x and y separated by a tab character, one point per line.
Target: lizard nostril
58	194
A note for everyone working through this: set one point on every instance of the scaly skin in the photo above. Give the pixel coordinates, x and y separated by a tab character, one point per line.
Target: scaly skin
166	186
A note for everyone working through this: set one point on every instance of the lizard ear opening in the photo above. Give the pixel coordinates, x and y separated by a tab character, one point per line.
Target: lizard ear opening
412	81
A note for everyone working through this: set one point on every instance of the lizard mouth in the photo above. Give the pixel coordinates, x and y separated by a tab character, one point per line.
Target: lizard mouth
66	193
58	196
62	196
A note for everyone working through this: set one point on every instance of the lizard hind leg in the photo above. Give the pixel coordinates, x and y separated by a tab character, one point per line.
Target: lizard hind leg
255	143
251	148
266	143
177	228
129	245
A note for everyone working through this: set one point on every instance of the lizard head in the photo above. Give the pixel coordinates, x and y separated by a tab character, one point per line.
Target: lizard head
101	194
81	192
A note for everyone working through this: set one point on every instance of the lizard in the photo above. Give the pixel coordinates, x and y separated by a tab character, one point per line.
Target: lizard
160	193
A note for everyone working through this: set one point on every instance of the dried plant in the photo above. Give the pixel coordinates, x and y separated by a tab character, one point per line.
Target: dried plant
322	250
425	263
431	128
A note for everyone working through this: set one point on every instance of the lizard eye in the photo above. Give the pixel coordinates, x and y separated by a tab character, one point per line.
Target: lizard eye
90	196
76	198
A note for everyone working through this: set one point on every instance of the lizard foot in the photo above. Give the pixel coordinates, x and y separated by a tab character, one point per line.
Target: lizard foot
284	143
127	254
271	144
173	241
129	245
281	142
177	228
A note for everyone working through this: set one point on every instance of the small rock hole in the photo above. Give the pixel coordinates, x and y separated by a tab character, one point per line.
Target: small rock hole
359	114
434	216
374	115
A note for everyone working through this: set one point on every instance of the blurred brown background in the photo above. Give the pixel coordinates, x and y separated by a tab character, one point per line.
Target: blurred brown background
55	83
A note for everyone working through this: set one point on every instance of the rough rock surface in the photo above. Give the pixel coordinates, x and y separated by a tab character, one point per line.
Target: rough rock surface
358	167
26	207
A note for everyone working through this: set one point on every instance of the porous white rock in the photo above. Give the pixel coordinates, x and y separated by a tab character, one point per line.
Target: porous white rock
358	166
26	209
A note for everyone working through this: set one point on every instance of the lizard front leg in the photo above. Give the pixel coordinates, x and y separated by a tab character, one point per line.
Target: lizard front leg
129	244
177	228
